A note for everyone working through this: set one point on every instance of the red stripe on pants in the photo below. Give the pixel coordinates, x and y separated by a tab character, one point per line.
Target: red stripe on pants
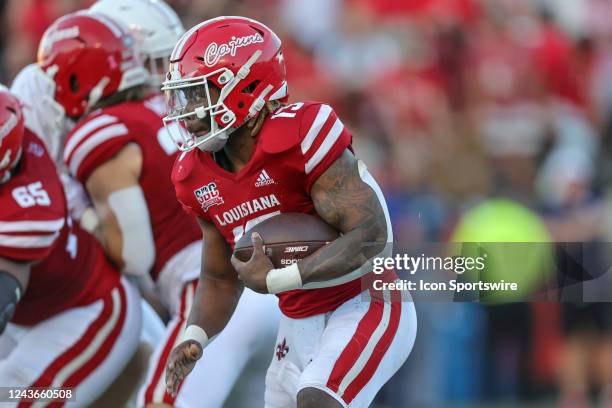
49	374
356	344
378	353
102	353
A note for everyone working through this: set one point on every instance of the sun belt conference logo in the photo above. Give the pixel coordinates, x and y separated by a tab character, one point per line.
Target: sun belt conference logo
208	195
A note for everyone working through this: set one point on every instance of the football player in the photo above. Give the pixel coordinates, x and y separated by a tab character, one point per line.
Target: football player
247	156
120	151
74	322
155	27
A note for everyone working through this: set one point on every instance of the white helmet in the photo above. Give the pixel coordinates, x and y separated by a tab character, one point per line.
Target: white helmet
155	26
42	113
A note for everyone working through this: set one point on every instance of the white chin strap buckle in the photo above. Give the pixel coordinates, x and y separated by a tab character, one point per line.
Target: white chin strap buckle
200	112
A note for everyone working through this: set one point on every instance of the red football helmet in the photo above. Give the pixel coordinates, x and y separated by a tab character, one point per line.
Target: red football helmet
11	133
89	56
242	58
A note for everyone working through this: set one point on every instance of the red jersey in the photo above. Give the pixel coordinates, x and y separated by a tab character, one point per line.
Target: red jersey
103	133
296	144
69	266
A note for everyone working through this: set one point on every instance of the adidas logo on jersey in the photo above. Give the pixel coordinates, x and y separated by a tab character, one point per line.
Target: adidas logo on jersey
264	179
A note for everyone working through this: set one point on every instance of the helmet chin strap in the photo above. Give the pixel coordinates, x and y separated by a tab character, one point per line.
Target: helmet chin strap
96	93
6	160
11	167
242	73
218	141
259	103
200	112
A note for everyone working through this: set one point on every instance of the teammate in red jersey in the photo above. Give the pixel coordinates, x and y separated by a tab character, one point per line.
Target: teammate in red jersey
120	151
249	156
76	322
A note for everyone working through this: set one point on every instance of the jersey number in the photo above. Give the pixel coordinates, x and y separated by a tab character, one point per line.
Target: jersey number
288	111
239	230
31	195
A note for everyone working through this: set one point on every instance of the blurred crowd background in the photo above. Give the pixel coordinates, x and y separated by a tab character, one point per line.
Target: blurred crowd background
453	102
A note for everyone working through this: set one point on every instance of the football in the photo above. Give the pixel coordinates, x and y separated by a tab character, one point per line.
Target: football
288	237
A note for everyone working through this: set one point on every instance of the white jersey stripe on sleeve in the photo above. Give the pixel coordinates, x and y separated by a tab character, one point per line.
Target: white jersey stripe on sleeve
84	131
32	226
95	140
367	178
328	143
315	128
28	241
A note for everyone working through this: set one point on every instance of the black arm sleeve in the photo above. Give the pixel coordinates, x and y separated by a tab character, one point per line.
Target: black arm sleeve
10	293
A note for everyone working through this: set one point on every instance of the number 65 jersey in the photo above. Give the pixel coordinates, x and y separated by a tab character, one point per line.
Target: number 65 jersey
69	268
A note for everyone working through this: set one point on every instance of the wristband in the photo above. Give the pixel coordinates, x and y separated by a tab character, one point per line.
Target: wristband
284	279
195	333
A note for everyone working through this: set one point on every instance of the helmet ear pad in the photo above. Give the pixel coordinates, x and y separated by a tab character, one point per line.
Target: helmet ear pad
240	103
250	88
71	88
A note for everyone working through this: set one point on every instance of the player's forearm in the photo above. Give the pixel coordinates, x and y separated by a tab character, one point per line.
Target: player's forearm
13	282
214	303
19	270
344	199
111	240
345	254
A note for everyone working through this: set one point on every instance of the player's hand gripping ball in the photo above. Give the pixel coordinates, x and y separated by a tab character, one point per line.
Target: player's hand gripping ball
277	243
253	272
180	363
